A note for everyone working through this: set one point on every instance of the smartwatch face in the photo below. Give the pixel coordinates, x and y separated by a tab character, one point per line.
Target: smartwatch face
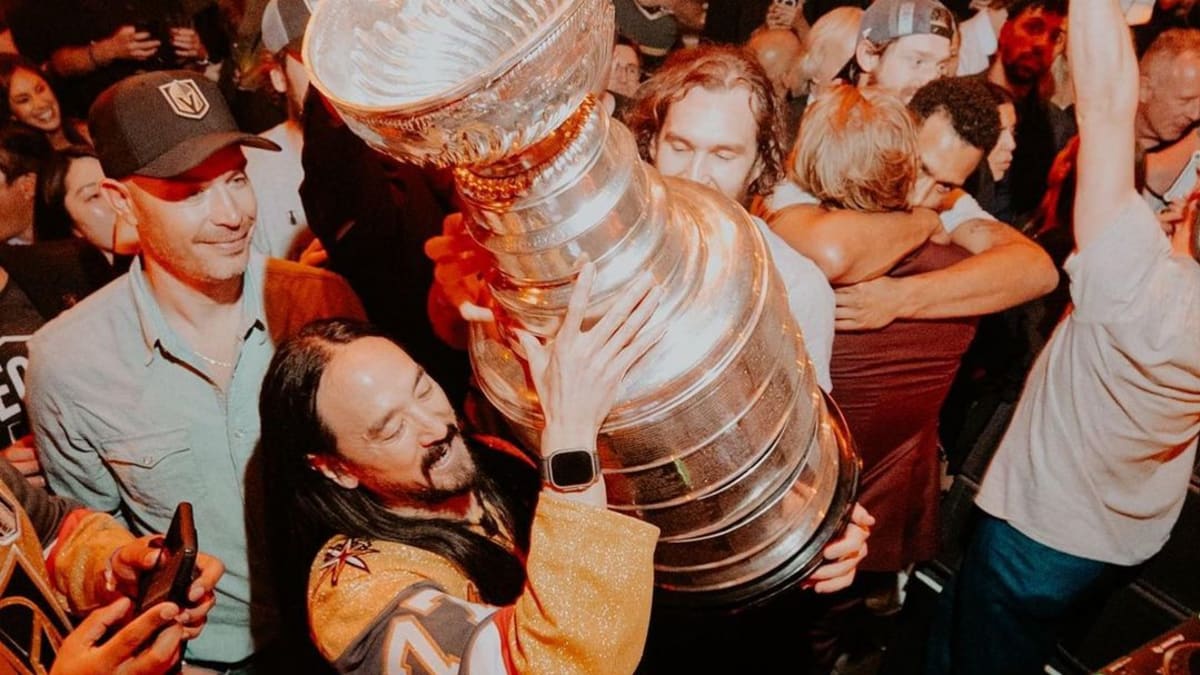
572	468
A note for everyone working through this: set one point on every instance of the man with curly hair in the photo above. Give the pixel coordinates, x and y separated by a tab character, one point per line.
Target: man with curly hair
711	115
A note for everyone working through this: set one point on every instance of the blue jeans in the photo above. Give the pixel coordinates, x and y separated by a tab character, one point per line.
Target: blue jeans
1002	612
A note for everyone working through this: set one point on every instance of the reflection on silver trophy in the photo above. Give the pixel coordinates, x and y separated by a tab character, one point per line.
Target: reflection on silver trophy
720	435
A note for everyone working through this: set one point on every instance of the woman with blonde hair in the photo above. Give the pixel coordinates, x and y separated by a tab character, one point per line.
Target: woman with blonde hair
857	150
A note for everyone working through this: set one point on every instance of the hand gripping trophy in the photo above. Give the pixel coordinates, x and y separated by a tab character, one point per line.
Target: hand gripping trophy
720	435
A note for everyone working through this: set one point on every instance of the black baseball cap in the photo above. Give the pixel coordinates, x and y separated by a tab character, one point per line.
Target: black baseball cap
162	124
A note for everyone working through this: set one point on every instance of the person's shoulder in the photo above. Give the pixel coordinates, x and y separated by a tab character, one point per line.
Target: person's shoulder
787	193
353	581
279	270
84	338
90	323
295	294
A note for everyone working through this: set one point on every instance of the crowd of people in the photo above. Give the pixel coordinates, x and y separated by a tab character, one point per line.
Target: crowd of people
213	292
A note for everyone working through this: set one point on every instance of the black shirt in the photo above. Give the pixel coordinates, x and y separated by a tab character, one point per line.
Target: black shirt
18	321
373	215
41	27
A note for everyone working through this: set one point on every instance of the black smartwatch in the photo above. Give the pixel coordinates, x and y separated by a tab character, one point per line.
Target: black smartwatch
571	469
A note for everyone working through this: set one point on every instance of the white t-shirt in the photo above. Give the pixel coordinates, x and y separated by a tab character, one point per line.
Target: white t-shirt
966	208
1097	459
809	297
281	230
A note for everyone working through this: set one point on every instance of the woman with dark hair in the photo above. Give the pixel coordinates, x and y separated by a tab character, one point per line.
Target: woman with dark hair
27	98
401	535
987	178
68	203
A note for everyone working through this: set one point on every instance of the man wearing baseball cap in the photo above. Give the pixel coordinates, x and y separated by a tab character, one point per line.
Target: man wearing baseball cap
146	394
904	44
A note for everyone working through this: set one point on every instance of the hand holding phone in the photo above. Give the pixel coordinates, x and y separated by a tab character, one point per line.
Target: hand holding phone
109	641
172	577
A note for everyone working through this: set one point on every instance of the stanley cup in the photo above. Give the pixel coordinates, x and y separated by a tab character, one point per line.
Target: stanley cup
720	435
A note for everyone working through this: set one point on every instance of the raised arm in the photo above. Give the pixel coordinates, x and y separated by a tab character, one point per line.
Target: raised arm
851	246
1106	97
585	606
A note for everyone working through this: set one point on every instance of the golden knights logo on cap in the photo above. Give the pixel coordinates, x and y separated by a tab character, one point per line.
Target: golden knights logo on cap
185	99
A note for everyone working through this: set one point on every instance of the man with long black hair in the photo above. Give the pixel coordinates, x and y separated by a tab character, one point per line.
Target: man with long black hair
416	546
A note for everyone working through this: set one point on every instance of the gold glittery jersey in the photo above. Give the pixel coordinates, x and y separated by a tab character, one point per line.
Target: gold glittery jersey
53	555
382	607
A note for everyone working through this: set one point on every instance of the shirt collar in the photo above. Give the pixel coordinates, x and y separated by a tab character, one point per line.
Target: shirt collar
157	334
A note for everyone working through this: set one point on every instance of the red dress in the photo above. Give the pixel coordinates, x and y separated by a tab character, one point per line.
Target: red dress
890	384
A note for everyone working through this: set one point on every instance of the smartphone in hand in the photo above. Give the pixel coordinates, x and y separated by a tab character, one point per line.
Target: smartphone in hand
176	569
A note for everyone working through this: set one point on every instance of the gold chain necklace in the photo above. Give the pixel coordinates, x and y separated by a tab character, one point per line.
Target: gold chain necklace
213	362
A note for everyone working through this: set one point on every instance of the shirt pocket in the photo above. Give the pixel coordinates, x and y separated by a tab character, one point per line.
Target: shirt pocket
156	470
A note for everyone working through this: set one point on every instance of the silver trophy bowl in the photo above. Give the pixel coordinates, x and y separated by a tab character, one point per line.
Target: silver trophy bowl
720	435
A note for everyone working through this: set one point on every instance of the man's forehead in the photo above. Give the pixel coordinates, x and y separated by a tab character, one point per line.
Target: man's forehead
1181	71
943	152
701	103
625	53
178	187
365	359
364	379
932	46
1040	14
227	159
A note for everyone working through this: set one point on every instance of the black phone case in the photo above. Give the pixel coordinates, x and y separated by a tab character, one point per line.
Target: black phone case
172	577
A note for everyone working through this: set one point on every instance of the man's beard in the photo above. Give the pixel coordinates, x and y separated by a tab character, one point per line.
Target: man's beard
462	480
1024	70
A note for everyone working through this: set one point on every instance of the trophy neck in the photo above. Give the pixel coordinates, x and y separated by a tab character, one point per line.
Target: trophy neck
498	185
575	193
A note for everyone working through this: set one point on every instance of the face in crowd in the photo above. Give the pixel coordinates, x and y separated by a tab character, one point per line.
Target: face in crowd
196	226
32	102
290	78
395	431
16	205
947	161
1001	157
710	136
1170	96
906	64
91	214
1029	43
625	73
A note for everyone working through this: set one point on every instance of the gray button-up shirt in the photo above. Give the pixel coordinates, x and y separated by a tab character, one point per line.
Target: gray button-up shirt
127	421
